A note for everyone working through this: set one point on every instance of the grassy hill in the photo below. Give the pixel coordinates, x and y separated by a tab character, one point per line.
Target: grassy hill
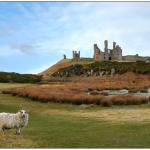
62	64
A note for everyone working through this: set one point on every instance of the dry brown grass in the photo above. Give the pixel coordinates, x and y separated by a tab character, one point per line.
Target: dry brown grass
61	64
77	92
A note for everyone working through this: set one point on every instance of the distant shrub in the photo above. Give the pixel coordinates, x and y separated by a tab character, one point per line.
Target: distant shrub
6	77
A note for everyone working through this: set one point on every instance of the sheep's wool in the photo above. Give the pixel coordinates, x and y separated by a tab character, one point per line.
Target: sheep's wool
10	120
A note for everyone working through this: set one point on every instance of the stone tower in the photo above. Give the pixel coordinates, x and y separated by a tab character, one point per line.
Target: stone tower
76	55
114	45
106	54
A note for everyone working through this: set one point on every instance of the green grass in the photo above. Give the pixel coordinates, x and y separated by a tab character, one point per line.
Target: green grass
11	85
49	128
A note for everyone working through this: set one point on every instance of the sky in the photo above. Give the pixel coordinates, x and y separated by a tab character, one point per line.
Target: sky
35	35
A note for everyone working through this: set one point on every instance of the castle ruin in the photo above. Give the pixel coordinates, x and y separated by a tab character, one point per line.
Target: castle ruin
114	54
76	55
109	54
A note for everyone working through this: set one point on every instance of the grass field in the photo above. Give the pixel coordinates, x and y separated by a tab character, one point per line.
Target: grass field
53	125
11	85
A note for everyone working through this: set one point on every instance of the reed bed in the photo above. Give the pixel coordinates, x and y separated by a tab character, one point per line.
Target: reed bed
74	97
77	92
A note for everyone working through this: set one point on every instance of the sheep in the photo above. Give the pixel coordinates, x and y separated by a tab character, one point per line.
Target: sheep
10	120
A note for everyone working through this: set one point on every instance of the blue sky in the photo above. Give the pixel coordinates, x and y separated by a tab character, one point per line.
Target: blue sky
35	35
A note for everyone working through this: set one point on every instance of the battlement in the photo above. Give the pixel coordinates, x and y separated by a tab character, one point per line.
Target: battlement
76	55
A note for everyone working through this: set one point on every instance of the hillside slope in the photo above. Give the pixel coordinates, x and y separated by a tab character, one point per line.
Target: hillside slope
59	65
103	68
70	68
62	64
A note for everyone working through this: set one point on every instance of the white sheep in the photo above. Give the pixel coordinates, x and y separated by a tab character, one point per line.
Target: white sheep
10	120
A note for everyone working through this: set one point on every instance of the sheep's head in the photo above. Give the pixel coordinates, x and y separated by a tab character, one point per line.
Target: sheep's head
23	113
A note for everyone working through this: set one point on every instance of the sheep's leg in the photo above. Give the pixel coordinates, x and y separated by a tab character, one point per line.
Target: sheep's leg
2	132
1	129
17	130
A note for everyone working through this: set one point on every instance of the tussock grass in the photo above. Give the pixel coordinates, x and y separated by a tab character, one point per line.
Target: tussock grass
77	92
66	95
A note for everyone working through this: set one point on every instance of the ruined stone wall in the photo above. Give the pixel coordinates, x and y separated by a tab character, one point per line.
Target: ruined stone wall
97	53
117	53
110	54
101	56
